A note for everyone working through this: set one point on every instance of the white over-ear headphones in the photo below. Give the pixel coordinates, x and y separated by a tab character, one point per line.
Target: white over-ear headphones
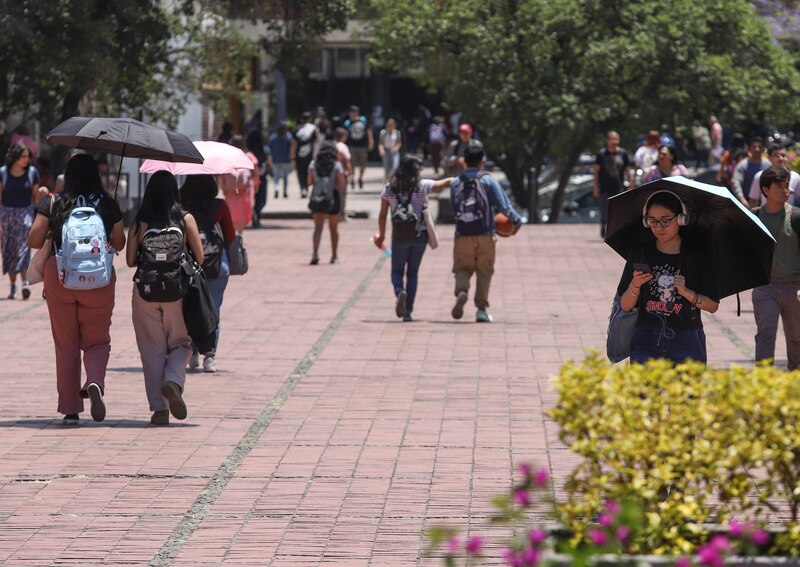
683	216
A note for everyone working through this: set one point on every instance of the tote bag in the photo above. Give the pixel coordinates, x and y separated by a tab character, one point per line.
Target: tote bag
430	225
620	331
200	312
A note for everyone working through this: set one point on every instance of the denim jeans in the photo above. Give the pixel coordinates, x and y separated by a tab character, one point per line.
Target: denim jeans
280	172
391	160
406	258
217	288
655	341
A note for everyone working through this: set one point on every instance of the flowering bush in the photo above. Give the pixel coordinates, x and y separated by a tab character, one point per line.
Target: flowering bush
666	449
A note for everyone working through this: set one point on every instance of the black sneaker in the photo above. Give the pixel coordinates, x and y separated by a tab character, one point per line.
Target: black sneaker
160	417
458	309
98	404
314	260
171	391
400	305
26	291
71	419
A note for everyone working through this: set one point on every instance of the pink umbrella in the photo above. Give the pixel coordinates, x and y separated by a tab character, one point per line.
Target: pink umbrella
218	158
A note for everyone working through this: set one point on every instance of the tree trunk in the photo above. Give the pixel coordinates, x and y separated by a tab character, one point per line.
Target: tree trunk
563	178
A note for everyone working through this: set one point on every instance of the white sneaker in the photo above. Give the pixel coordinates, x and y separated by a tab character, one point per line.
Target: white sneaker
209	364
194	362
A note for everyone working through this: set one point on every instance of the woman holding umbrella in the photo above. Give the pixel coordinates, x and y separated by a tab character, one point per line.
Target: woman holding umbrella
671	281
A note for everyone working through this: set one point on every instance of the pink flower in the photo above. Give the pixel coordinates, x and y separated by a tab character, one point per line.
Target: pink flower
606	520
736	528
537	537
522	497
720	543
530	557
613	508
474	545
542	478
707	555
683	562
622	533
453	545
760	537
598	537
524	470
509	556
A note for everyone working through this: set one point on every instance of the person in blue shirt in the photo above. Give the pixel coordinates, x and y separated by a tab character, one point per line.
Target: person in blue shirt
475	196
281	146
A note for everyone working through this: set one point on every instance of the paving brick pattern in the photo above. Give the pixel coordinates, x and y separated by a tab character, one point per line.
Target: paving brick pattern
333	434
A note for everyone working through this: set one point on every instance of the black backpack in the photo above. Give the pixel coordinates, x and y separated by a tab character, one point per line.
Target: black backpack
163	268
471	207
213	243
322	197
405	220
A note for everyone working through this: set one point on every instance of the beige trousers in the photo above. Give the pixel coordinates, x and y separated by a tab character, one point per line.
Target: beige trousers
474	254
164	345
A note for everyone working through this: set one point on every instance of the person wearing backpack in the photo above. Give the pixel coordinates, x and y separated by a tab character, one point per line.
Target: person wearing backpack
80	319
157	248
327	181
199	197
405	195
19	194
475	196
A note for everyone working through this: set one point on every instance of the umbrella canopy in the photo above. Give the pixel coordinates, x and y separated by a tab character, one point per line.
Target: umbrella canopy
740	244
124	137
217	159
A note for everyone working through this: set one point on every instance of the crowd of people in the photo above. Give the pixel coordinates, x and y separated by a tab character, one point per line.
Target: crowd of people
328	163
758	177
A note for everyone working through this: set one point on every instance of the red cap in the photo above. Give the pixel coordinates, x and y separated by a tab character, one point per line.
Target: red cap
465	128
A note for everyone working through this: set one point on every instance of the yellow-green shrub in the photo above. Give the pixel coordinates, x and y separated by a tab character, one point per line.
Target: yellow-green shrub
669	437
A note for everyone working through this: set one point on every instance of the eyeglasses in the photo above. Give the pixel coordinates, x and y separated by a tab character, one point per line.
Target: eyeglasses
663	222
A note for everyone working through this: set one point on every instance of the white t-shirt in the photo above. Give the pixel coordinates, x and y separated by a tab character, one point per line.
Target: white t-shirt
794	188
390	139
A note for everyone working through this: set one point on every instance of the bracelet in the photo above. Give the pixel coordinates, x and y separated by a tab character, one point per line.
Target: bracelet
696	299
630	289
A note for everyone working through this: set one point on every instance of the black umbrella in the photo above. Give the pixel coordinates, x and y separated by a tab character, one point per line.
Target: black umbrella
738	242
124	137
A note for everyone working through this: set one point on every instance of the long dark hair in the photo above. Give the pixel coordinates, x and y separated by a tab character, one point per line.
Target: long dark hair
81	179
405	179
326	159
197	194
689	251
161	206
15	152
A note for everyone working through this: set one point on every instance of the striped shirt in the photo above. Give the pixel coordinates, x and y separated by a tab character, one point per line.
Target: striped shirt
417	197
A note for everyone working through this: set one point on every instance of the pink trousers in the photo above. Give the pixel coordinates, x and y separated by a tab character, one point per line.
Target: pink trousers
81	322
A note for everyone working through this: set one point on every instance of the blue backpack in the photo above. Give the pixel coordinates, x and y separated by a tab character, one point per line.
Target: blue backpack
85	258
471	207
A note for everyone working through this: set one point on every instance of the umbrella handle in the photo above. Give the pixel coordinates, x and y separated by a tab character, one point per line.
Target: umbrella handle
119	173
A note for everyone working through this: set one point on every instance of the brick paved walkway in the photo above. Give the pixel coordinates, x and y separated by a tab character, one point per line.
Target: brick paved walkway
333	434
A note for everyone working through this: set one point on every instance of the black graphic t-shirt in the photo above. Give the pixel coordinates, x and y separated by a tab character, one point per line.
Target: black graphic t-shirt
612	170
658	296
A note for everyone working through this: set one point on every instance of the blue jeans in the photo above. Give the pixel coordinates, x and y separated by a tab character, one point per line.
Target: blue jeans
280	172
391	160
650	342
217	288
406	258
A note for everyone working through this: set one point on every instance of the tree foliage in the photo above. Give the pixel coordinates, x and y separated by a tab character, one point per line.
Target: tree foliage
544	78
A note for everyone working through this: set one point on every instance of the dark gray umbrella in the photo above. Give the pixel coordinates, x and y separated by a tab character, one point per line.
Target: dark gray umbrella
738	242
124	137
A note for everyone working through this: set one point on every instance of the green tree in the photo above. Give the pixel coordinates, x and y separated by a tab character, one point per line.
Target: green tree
546	78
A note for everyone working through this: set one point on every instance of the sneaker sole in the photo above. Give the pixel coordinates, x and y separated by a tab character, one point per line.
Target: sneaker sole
98	404
177	407
458	310
400	305
26	293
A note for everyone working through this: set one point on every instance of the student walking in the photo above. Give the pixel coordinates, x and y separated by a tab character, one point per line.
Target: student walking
779	298
672	281
390	144
327	181
161	335
80	319
474	197
199	198
406	191
19	193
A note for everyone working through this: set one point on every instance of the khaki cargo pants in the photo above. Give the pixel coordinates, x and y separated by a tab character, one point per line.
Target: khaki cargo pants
474	254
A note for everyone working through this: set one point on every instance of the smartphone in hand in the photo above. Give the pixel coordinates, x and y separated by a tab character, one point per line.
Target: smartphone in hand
644	268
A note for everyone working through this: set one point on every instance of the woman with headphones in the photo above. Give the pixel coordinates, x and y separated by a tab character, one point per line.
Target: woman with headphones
671	281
